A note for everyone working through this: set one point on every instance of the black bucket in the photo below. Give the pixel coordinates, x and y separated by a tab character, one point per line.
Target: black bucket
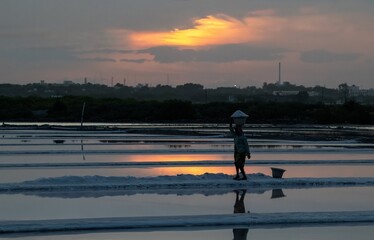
277	172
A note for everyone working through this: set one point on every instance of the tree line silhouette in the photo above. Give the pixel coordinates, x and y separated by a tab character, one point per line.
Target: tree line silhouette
69	109
195	93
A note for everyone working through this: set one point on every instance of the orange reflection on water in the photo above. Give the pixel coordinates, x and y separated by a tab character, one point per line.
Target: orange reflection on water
291	171
230	170
192	170
175	157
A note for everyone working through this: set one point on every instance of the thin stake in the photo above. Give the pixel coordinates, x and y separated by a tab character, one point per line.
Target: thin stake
84	105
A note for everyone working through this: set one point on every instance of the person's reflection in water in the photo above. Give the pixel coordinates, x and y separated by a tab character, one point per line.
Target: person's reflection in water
240	233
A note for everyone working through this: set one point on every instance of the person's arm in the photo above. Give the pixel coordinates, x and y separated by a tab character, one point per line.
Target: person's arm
247	149
230	127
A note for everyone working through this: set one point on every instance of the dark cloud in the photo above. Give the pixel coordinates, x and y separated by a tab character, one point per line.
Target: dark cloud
105	51
218	54
50	54
134	60
98	59
171	54
59	53
323	56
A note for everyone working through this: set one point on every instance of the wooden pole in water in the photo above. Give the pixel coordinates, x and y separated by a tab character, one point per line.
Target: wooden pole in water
84	105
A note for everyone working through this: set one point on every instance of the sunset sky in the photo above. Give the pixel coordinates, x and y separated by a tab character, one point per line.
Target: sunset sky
216	43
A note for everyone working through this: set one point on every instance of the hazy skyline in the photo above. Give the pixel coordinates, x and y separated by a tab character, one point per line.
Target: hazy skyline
210	42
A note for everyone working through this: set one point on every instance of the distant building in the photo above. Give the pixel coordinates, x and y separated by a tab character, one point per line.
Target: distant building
68	82
368	92
313	93
285	93
354	91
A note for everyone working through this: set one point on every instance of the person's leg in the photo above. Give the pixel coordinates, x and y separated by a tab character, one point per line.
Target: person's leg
241	162
243	172
237	171
236	166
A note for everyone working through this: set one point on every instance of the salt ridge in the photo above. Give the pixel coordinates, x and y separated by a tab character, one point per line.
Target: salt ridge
182	181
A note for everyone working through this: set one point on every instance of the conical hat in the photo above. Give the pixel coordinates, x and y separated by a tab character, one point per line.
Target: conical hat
239	114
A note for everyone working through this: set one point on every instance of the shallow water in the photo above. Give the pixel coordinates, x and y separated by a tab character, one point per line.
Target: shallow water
42	205
35	147
220	233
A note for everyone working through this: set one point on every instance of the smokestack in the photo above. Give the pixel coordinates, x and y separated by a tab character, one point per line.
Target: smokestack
279	74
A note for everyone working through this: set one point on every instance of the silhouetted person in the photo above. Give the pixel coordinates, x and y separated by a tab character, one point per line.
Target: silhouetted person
239	201
241	150
240	233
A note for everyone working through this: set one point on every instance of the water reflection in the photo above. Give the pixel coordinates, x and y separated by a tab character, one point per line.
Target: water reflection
82	149
199	170
277	193
239	207
173	157
176	146
59	141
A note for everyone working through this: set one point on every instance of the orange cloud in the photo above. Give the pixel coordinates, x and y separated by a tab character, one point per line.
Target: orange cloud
210	30
265	27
